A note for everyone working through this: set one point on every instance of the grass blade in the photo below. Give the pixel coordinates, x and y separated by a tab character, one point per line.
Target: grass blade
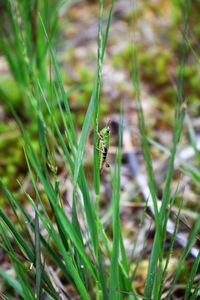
114	271
12	282
37	255
192	276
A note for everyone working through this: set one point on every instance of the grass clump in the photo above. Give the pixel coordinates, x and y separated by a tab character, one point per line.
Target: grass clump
71	237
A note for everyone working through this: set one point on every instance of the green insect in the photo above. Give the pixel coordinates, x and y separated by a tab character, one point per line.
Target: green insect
103	145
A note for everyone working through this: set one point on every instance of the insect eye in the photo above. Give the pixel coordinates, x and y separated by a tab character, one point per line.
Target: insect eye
108	130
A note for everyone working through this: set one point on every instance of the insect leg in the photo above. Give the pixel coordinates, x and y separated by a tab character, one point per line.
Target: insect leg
99	136
107	164
99	149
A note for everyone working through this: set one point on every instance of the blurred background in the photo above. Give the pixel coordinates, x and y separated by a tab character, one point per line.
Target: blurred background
154	28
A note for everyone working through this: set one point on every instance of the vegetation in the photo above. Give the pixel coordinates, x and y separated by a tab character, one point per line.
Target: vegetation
62	244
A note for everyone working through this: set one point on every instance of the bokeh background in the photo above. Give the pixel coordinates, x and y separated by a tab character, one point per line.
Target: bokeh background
154	28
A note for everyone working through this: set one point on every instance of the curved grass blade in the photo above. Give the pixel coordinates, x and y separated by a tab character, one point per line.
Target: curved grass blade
193	272
19	267
191	240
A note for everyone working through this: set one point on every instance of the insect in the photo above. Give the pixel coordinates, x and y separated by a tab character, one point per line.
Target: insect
103	145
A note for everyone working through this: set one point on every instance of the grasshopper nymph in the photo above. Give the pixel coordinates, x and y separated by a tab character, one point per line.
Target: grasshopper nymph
103	145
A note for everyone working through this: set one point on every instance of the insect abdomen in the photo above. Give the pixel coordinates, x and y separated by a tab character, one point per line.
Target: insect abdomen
104	154
103	150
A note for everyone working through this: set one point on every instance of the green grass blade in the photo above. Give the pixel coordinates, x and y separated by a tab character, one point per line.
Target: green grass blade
178	124
71	232
123	252
78	259
13	202
20	270
64	223
193	138
12	282
38	266
96	112
192	276
89	208
17	236
60	84
152	186
42	143
145	143
67	267
196	292
108	26
114	271
88	117
96	173
163	276
52	196
191	240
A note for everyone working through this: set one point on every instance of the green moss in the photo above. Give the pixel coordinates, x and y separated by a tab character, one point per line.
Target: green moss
155	67
123	58
11	90
85	74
